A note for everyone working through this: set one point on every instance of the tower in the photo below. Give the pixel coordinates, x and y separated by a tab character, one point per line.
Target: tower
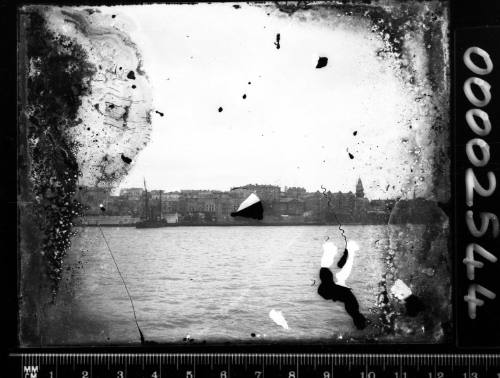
360	193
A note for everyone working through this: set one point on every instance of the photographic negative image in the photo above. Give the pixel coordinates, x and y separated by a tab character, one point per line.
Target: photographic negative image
234	172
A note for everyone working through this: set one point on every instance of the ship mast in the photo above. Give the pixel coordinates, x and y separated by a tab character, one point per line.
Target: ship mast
161	217
146	200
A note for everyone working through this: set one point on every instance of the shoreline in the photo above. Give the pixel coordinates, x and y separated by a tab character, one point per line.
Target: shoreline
244	225
229	225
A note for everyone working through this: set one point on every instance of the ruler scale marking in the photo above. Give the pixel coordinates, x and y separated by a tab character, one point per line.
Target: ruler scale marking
467	365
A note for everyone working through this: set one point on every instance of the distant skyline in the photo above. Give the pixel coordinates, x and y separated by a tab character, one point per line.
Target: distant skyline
282	188
283	122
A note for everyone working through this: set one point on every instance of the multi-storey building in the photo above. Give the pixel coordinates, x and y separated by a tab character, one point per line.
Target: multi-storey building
132	193
265	192
294	192
294	204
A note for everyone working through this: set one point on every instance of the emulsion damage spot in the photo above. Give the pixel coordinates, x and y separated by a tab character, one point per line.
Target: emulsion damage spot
277	43
322	62
125	159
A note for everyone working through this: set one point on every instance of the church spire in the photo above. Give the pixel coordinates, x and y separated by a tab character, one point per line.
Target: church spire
360	193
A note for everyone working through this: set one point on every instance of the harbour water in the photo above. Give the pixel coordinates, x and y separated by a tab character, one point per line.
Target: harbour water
211	283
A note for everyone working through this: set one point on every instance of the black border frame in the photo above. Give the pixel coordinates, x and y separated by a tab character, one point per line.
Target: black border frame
471	13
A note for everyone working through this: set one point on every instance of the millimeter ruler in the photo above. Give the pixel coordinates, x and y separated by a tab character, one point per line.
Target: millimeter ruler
226	365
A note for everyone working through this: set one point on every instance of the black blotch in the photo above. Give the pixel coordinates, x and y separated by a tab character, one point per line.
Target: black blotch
254	211
322	62
351	155
120	68
244	96
103	209
355	133
236	6
88	128
343	259
446	207
111	106
126	159
249	82
113	16
277	43
329	290
96	106
252	334
133	86
413	305
220	109
131	75
158	112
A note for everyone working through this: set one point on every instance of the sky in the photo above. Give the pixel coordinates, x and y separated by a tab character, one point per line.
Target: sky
296	125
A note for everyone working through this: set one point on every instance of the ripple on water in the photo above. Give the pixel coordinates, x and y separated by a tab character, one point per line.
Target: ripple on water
220	282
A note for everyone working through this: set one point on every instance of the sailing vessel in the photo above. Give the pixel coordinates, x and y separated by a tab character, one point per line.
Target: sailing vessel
150	219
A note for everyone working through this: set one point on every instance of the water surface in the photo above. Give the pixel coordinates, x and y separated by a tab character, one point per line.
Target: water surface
211	283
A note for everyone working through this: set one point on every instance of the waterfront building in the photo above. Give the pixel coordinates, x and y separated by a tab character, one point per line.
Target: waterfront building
156	194
360	192
295	192
132	193
313	206
264	192
293	205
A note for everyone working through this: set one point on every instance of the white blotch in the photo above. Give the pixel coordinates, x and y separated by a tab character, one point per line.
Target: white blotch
251	200
400	290
352	246
329	253
278	318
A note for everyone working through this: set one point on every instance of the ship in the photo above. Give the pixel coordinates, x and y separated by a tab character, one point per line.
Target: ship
150	218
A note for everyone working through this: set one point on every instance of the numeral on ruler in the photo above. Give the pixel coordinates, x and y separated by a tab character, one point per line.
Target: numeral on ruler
261	366
370	374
